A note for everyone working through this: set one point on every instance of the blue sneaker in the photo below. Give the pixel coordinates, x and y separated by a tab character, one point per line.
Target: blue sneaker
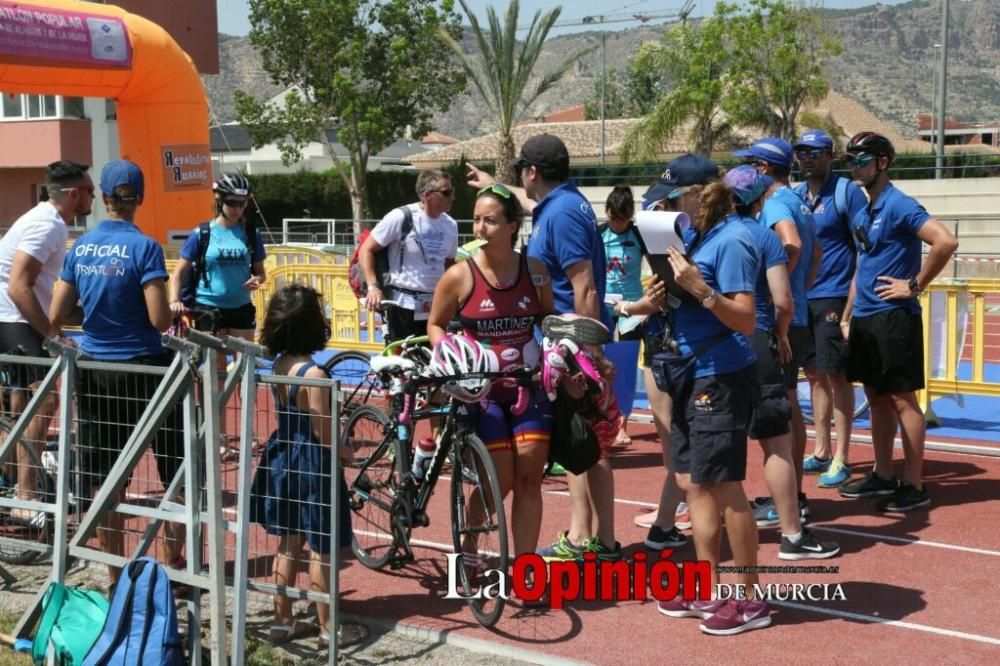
837	474
764	512
814	465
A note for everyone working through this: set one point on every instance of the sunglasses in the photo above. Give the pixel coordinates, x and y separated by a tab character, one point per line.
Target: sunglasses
235	203
861	238
860	161
497	189
813	153
88	190
445	193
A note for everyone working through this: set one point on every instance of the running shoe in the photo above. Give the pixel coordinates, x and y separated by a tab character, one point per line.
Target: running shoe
765	513
837	475
906	498
737	616
678	607
682	517
869	486
808	548
814	465
604	554
561	550
582	330
659	538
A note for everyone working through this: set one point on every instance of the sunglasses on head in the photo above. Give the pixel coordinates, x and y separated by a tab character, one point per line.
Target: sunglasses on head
83	188
497	189
860	161
812	153
235	203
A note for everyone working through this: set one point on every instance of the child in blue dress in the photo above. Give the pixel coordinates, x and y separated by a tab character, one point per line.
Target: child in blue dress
293	485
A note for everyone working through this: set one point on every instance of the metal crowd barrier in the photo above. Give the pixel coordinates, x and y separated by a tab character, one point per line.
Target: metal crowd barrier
215	534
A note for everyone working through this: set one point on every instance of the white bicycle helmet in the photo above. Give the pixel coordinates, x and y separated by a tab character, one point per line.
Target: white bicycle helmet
460	355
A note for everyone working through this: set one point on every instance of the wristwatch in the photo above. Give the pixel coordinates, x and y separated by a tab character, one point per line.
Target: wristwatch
914	286
709	300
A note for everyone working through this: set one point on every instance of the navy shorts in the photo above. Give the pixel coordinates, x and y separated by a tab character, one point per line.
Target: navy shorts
774	412
830	356
885	352
801	340
708	436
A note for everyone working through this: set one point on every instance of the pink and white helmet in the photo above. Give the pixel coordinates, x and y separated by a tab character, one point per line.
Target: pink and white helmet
461	355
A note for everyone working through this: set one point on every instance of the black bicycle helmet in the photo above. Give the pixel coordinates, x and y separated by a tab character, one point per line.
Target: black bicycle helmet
232	183
871	143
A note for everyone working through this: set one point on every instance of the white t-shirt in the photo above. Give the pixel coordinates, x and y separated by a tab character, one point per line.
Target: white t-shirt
431	241
42	233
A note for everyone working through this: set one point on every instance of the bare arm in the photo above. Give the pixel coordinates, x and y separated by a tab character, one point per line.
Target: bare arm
735	310
155	294
586	301
366	259
649	303
543	286
317	400
64	306
789	235
182	273
478	179
455	282
817	256
24	272
943	246
784	308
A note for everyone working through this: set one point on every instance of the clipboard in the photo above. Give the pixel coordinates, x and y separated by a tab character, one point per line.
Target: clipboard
661	230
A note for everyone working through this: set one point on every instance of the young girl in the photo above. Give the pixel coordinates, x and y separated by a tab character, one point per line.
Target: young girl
292	487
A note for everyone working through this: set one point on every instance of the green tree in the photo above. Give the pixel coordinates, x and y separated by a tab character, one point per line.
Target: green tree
779	52
615	97
628	94
366	69
502	69
812	120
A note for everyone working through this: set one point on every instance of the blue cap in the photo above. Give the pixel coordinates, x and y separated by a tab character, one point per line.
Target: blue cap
117	173
770	149
686	170
815	138
747	184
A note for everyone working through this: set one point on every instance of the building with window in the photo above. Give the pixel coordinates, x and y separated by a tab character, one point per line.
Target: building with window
36	130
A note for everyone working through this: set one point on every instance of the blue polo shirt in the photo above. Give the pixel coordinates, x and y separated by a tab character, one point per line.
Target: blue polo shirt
227	265
109	267
564	232
833	232
728	260
785	204
771	254
891	225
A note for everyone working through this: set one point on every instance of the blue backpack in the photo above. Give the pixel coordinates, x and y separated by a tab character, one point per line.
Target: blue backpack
141	628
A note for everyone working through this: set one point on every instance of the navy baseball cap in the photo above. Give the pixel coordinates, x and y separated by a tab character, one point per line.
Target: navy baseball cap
682	172
747	184
118	173
769	149
815	138
543	150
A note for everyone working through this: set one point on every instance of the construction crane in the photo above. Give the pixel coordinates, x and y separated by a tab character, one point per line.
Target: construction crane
621	17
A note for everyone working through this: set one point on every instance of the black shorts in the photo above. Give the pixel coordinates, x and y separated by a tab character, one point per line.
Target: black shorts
885	352
708	436
17	337
402	325
211	319
774	412
109	405
801	340
830	348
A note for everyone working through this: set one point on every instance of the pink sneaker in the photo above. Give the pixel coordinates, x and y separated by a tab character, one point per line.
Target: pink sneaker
737	616
682	519
678	607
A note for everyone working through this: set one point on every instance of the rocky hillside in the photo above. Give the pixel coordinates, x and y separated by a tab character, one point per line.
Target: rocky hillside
888	65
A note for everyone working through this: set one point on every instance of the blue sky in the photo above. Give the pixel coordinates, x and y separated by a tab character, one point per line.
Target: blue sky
233	13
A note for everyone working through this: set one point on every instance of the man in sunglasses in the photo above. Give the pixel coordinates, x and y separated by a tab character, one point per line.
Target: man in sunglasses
422	241
885	343
834	201
31	256
788	215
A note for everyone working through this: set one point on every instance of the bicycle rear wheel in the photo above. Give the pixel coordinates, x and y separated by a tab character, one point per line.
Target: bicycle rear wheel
19	541
373	480
804	392
478	524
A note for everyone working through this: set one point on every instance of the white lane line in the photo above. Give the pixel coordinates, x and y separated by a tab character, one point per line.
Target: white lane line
847	615
865	535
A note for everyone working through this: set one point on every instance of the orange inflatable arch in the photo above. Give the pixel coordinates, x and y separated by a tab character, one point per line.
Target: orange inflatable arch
83	49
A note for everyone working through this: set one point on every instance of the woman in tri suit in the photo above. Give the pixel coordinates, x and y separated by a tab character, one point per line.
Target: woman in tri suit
499	295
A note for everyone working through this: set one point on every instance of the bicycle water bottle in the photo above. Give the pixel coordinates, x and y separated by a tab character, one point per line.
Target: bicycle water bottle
422	457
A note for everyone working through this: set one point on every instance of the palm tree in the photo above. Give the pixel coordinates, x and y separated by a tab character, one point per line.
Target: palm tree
502	68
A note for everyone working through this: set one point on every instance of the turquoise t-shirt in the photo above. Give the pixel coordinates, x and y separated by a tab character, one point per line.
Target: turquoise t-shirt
623	254
227	265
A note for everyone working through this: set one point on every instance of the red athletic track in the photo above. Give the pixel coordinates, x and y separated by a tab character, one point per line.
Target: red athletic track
936	572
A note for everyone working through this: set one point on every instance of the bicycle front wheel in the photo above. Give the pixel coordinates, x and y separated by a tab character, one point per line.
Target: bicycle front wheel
373	480
478	525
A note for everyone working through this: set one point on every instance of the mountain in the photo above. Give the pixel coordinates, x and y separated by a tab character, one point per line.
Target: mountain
888	65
